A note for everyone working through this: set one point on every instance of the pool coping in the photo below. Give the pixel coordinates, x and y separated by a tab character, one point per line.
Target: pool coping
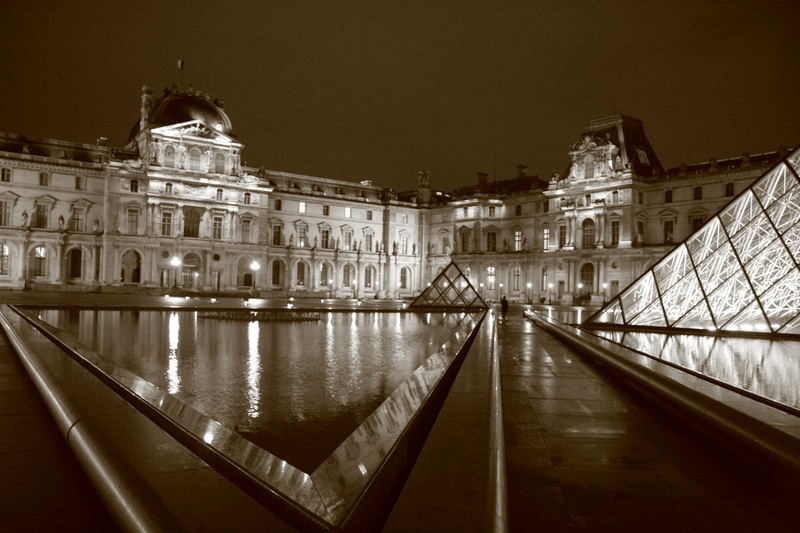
769	434
333	509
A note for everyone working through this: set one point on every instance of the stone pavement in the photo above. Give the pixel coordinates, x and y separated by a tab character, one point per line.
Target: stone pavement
586	453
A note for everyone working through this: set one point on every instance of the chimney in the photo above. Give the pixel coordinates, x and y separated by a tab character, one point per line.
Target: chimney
147	99
522	171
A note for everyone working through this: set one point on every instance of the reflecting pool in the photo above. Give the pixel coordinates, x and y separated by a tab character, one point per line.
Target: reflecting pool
766	368
297	389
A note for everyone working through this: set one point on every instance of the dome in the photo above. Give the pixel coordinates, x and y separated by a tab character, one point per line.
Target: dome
179	105
177	108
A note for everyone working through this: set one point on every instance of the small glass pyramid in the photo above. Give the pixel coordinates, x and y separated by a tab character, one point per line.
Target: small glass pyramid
450	289
739	272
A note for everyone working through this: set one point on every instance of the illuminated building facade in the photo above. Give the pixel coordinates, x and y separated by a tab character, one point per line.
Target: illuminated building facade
176	208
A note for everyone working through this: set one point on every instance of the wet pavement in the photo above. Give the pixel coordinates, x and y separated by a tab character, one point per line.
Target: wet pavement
586	453
43	487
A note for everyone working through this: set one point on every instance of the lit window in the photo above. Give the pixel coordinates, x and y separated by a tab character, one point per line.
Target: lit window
134	185
302	240
347	212
166	224
40	261
490	278
247	199
44	179
5	174
545	238
518	240
4	260
301	208
217	228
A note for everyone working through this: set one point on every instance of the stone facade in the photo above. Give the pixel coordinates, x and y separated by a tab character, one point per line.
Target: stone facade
176	208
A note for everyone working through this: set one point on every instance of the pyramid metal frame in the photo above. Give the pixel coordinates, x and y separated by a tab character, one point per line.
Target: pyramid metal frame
450	289
739	273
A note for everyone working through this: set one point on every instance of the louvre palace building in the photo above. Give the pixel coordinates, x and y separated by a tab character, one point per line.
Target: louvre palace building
176	210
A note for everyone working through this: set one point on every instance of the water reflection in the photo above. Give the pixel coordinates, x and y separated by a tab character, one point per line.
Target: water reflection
297	388
764	367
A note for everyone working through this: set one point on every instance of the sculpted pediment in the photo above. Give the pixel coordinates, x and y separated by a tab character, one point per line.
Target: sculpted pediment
194	128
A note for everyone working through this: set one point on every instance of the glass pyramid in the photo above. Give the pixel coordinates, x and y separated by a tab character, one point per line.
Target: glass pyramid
739	272
450	289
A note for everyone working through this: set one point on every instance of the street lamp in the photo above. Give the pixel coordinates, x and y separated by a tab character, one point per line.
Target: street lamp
550	292
605	286
254	266
529	292
330	288
580	292
175	262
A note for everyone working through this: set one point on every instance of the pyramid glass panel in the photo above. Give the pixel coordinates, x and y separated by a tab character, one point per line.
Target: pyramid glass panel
698	318
774	185
739	272
450	289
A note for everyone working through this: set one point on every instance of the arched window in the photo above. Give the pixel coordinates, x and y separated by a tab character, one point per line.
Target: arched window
324	275
587	278
301	273
276	272
368	276
588	233
194	158
5	259
219	163
404	278
169	156
40	261
347	276
131	267
74	263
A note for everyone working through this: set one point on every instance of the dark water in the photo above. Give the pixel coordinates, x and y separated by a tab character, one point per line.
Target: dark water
295	388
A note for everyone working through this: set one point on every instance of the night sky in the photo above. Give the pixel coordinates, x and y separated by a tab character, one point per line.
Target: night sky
359	90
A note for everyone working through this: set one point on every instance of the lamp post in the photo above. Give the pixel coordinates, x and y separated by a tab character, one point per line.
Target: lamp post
330	288
529	292
255	266
580	292
605	297
550	292
175	262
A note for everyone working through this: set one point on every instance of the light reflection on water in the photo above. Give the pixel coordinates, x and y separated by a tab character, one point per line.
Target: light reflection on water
295	388
766	368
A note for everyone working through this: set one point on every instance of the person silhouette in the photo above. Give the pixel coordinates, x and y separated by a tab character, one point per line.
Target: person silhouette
504	306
